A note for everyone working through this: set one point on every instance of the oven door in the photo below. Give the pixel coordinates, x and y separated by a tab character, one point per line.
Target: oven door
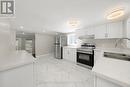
84	58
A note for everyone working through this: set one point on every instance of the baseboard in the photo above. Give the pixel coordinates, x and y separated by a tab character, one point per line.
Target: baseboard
45	55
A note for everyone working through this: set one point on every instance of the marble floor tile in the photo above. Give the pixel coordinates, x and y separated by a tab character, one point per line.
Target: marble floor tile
51	72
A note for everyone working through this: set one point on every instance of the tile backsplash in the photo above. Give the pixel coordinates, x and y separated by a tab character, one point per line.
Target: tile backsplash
105	43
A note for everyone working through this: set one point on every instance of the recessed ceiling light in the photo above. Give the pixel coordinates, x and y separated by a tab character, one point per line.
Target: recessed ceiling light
115	14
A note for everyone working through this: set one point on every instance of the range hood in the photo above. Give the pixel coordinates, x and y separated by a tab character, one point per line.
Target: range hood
87	37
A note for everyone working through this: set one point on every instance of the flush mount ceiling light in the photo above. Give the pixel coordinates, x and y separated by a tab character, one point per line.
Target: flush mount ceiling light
73	23
115	14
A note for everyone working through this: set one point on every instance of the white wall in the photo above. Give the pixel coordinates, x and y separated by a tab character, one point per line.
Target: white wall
7	39
44	44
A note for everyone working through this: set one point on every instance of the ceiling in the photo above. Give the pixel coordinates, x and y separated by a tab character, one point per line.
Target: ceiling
52	15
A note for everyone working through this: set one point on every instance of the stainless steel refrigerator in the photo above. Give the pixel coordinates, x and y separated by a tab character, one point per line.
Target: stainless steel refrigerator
60	41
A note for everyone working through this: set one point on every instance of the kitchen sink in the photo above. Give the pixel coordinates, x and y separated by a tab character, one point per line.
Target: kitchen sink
120	56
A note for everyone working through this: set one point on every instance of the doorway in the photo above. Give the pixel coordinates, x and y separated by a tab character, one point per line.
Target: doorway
25	41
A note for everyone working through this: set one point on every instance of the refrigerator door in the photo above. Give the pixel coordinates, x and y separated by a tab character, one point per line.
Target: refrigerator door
60	41
57	39
63	40
58	51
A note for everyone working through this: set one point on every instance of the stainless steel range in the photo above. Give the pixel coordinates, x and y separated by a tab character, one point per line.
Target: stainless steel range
85	54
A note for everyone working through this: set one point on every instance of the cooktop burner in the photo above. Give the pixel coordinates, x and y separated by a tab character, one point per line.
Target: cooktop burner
87	46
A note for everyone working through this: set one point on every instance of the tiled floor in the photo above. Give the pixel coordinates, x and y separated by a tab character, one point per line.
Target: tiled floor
51	72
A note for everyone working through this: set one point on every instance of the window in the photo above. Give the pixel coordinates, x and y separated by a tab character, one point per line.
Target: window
72	39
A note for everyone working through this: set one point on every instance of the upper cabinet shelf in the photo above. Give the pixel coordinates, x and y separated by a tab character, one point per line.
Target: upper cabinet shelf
104	31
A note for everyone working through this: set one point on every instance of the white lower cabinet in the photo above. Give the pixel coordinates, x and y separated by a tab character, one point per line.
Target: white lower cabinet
69	54
100	82
97	55
18	77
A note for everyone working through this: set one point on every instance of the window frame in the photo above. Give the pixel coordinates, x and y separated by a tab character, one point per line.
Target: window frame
72	37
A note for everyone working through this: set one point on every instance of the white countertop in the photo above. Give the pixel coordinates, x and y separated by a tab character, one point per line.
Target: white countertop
75	47
15	59
117	71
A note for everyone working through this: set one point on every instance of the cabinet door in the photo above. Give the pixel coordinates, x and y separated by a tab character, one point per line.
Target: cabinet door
97	55
128	29
105	83
72	54
65	53
115	30
69	54
128	33
100	31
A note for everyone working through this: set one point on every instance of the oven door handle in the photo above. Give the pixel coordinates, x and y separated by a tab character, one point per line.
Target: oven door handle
87	53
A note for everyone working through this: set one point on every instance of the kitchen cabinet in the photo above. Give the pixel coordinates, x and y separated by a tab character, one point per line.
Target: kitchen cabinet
128	32
107	70
69	54
128	28
109	30
115	29
101	82
101	31
97	55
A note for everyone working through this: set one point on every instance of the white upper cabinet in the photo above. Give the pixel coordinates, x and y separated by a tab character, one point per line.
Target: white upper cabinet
115	30
128	32
100	31
128	28
104	31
